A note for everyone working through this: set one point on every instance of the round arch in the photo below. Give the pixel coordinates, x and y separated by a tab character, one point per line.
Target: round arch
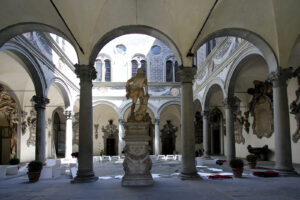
216	82
236	67
124	107
62	86
11	31
31	66
140	29
108	103
162	107
255	39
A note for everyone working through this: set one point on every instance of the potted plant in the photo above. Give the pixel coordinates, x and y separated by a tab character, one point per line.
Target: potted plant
34	170
14	161
237	166
251	158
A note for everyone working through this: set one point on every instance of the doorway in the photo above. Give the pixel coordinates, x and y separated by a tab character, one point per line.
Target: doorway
167	146
110	146
59	134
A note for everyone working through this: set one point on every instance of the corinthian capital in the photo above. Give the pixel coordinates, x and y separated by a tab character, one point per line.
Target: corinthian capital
279	77
40	102
85	72
231	102
186	74
205	114
68	114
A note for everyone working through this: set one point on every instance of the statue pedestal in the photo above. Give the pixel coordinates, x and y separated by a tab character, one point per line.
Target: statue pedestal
137	163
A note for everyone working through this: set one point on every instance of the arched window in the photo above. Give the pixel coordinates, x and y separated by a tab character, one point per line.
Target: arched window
175	71
134	67
169	71
107	71
144	67
210	45
98	67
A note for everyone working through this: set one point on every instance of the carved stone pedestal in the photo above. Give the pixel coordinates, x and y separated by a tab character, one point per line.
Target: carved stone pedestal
137	163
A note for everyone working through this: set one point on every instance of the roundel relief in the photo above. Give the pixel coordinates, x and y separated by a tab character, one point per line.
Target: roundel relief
174	91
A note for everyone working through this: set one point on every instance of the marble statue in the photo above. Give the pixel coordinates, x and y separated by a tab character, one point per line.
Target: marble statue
137	163
137	89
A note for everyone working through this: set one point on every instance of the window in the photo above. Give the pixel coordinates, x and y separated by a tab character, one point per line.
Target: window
169	71
210	45
144	67
98	67
175	71
121	48
156	50
107	71
134	67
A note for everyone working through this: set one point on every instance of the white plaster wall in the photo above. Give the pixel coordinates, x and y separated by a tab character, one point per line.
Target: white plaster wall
101	114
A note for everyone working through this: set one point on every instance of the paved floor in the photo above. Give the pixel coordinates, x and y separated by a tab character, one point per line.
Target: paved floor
166	185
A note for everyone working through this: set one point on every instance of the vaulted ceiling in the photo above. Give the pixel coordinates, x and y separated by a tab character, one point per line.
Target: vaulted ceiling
273	22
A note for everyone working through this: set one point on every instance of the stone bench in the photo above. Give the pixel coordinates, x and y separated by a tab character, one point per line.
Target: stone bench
8	170
260	152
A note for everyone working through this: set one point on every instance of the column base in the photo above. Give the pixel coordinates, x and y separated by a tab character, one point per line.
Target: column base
84	179
287	173
189	176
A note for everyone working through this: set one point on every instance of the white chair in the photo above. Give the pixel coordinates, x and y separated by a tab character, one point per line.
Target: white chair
169	157
115	158
161	157
106	158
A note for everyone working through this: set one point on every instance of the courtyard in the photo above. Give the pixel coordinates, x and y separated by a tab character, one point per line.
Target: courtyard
166	184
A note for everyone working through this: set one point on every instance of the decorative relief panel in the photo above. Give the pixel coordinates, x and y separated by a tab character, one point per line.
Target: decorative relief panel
239	122
261	108
9	108
295	109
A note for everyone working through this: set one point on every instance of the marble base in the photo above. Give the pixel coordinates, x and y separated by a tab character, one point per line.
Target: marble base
137	163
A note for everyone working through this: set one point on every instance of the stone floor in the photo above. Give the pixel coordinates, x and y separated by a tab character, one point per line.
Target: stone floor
166	185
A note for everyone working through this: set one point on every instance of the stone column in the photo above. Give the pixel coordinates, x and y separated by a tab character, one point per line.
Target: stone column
121	136
157	137
206	135
283	154
40	144
187	124
69	134
230	105
85	171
